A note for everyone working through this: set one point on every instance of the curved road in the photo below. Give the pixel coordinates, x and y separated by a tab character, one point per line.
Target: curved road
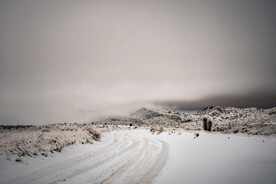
130	157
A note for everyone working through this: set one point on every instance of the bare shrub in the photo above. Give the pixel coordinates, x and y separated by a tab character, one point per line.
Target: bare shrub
160	130
19	160
152	130
94	134
45	130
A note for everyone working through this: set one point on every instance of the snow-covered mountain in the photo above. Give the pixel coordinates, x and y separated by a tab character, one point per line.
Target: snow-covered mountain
225	119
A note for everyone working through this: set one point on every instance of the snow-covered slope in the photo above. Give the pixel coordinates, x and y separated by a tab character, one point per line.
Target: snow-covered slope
225	119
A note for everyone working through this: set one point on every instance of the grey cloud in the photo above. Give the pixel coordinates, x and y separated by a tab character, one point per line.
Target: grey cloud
264	100
71	61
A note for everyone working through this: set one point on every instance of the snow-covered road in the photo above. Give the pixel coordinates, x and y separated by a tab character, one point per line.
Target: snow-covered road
137	156
123	157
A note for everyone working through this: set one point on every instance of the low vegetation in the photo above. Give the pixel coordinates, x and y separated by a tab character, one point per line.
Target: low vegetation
45	141
207	124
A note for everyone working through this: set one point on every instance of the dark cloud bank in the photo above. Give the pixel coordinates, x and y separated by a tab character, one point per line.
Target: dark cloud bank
250	100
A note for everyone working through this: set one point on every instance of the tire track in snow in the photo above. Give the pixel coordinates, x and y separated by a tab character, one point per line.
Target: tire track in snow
143	166
133	157
157	165
97	164
44	175
127	166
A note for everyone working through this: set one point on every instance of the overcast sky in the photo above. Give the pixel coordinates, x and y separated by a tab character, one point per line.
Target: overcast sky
73	60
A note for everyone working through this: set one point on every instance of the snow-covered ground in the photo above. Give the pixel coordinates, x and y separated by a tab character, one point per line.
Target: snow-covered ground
218	158
137	156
